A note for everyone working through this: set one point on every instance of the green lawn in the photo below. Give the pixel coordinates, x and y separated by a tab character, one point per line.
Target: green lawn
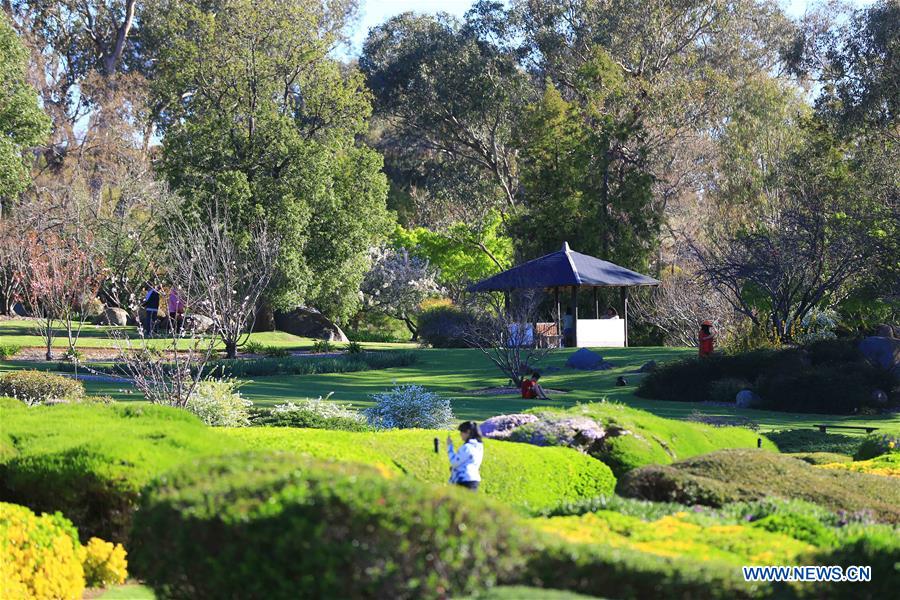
22	333
456	373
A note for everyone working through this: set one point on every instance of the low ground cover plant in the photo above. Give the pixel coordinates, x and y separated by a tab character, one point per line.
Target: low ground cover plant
34	387
829	376
739	475
813	440
311	365
8	351
887	465
277	523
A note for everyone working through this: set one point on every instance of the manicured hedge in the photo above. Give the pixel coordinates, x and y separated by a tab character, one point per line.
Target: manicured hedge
825	377
91	462
526	477
37	386
739	475
636	438
278	526
812	440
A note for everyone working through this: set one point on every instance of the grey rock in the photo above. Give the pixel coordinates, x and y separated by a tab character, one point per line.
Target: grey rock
879	397
647	367
884	330
198	323
19	310
747	399
308	322
112	315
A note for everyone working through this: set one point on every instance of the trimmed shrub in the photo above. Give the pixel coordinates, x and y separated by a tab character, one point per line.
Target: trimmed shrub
811	440
270	525
877	549
642	509
33	387
40	555
821	458
218	403
313	414
410	407
311	365
739	475
443	327
828	376
875	445
7	351
885	465
601	570
104	563
798	526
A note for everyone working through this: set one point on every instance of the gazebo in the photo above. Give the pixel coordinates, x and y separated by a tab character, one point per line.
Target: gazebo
567	270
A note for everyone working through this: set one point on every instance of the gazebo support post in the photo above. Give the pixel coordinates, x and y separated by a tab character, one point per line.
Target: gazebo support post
559	316
623	291
596	304
574	304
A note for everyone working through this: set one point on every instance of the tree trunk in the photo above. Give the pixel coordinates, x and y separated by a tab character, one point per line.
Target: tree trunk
230	349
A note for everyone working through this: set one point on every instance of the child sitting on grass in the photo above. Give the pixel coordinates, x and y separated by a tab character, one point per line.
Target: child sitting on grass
531	389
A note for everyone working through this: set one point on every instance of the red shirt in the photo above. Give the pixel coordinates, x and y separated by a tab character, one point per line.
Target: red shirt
528	389
707	342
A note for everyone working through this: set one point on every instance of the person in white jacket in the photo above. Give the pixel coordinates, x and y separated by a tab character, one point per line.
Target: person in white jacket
465	463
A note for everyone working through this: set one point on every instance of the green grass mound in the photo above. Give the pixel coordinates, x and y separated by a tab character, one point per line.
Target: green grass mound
526	477
91	462
741	475
269	525
638	438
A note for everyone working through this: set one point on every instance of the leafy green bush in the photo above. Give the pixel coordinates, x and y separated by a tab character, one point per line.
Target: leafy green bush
321	347
798	526
7	351
32	387
812	440
877	444
740	475
635	438
354	348
218	403
877	549
828	376
270	525
313	414
443	327
643	509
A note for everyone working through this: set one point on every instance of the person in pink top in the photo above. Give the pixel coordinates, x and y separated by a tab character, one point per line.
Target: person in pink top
176	309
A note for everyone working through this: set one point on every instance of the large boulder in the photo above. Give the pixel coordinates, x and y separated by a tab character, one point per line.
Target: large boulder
747	399
883	352
112	315
587	360
308	322
198	323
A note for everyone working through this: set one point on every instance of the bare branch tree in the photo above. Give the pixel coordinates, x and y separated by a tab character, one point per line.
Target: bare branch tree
680	303
505	333
228	269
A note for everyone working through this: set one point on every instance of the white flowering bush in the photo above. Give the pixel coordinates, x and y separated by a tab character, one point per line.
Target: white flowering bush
818	325
408	407
321	407
218	403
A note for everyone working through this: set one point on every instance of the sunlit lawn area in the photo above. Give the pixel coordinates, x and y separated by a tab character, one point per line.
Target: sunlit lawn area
459	373
22	333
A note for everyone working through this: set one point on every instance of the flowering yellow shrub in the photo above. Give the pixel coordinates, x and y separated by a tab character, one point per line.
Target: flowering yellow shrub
104	563
39	556
675	535
887	464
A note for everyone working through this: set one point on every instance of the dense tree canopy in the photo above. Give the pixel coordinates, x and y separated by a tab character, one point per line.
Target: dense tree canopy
22	123
257	115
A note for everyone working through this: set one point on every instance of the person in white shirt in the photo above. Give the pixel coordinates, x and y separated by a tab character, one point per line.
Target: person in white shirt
465	463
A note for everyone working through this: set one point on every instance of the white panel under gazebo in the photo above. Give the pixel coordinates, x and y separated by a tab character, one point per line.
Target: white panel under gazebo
601	333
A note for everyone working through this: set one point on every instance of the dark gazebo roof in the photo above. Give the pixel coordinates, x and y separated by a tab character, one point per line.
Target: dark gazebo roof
563	268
